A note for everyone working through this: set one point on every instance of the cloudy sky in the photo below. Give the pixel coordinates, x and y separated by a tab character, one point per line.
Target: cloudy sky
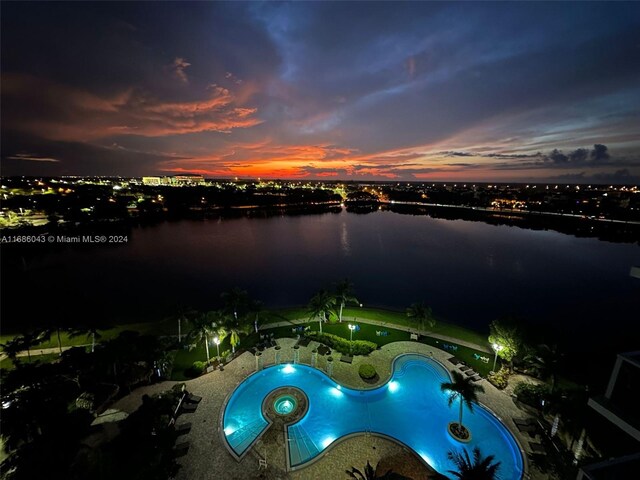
350	90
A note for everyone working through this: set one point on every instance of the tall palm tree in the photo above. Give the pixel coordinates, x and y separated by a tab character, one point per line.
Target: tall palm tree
234	300
256	308
422	315
91	329
204	327
319	305
481	468
182	315
463	389
228	328
344	295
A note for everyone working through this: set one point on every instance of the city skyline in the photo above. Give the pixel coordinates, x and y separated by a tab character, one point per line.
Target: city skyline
351	91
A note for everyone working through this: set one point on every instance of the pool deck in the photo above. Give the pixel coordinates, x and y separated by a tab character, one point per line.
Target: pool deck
208	456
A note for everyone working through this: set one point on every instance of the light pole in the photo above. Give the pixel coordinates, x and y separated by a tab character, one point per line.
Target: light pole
496	348
351	329
217	342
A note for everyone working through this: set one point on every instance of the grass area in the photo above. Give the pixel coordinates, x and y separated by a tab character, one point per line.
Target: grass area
388	316
7	363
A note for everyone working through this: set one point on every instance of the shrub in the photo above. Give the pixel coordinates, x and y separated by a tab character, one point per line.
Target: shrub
500	379
531	395
196	369
357	347
367	372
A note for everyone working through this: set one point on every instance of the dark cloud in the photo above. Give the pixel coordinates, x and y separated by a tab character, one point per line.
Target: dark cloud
599	154
617	177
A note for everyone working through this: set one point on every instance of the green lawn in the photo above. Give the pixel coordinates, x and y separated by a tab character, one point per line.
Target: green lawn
7	363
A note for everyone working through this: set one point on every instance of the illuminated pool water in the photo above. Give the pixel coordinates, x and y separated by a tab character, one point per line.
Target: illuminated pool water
284	405
409	408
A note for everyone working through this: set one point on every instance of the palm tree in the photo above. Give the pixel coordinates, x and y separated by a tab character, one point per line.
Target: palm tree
422	315
369	473
256	309
465	390
91	330
478	469
183	314
544	361
234	300
203	328
319	305
228	328
12	347
344	295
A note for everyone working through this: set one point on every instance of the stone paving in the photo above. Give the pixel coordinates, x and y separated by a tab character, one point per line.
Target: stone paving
209	458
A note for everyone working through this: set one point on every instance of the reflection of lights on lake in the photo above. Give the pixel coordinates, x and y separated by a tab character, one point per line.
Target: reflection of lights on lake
394	386
288	368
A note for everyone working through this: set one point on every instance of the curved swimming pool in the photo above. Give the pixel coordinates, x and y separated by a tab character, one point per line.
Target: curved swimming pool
409	408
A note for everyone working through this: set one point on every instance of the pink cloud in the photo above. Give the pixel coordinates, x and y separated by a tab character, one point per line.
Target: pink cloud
59	112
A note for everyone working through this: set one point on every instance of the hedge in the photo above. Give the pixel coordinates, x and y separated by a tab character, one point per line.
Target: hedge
531	394
346	347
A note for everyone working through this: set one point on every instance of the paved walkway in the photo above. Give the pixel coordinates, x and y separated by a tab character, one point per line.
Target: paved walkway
208	457
424	333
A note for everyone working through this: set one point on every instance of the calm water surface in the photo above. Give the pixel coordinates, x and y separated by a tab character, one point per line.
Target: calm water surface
469	272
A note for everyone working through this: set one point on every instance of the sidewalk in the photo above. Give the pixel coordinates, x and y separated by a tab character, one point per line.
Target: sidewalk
395	326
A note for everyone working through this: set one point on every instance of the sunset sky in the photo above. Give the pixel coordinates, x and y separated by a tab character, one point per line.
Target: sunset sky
351	90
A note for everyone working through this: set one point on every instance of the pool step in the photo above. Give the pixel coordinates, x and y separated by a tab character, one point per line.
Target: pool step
301	447
242	438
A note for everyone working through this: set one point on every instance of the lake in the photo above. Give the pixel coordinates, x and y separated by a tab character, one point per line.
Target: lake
468	272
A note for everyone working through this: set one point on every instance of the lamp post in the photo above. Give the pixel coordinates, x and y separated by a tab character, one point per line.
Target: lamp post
351	329
496	348
217	342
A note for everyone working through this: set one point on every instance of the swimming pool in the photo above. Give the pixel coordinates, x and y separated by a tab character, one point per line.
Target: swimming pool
410	408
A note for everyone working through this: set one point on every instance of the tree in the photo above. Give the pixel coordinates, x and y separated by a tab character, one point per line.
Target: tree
344	295
507	338
369	473
183	314
90	329
544	362
481	468
234	300
203	328
256	308
228	328
422	315
463	389
12	348
319	305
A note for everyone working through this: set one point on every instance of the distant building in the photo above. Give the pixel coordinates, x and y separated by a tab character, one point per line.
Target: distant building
174	181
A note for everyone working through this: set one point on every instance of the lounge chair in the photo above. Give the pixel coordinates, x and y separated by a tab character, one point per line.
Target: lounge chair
524	421
455	360
189	407
464	368
191	398
183	428
476	378
470	372
537	448
181	449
